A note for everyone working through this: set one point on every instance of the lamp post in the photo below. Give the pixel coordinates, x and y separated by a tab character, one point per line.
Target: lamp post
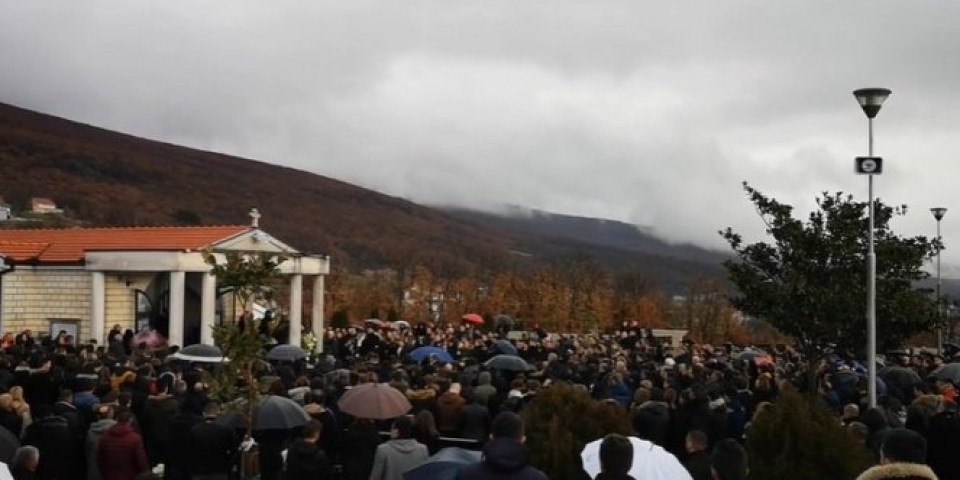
870	100
938	213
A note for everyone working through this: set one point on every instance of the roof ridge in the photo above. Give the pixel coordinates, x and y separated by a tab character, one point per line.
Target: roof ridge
142	227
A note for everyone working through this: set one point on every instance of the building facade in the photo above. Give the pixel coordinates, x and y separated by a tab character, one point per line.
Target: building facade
88	280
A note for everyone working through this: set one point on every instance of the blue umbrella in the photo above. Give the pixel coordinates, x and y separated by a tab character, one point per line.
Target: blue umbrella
423	352
444	465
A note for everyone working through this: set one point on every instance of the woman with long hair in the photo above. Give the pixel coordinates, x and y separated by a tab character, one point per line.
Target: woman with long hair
425	431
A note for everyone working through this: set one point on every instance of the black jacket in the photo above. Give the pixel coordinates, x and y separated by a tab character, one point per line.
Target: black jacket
698	464
52	434
475	422
306	461
503	459
210	449
652	421
358	447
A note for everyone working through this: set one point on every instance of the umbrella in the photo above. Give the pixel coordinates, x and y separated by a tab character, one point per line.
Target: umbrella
400	325
8	445
511	363
423	352
200	354
902	377
286	353
749	354
278	412
504	347
504	320
375	401
150	337
374	322
949	372
444	465
650	462
472	318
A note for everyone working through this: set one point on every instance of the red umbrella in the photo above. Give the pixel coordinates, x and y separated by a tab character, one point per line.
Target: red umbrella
472	318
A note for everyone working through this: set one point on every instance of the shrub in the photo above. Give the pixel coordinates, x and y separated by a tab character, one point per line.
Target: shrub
560	421
799	439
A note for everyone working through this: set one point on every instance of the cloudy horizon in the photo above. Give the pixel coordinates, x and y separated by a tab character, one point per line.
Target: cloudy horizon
649	114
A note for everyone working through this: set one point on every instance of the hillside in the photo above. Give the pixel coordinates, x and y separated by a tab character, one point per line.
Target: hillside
107	178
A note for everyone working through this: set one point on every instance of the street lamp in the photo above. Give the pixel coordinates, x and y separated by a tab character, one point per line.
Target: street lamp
870	100
938	213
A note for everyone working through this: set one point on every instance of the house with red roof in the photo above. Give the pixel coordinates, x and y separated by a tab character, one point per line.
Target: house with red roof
87	280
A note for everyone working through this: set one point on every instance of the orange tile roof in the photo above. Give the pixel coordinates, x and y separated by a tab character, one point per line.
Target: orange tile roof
68	246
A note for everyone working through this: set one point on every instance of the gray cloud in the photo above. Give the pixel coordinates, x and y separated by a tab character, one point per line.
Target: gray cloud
641	112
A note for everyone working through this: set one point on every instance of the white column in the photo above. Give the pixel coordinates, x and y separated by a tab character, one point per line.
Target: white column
208	299
98	306
296	308
178	285
317	313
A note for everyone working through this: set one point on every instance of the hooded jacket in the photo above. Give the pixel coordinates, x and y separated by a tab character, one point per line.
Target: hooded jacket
121	455
503	459
395	457
92	444
898	471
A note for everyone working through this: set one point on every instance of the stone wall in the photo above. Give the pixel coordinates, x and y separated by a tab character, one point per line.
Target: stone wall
32	297
121	288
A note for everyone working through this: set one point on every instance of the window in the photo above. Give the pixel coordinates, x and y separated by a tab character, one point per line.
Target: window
143	310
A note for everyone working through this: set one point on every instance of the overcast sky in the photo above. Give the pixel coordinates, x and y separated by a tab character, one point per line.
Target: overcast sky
647	112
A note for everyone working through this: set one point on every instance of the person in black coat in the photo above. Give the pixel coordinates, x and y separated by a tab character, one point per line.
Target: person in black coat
504	457
616	458
305	459
698	460
358	447
180	449
210	447
59	459
474	420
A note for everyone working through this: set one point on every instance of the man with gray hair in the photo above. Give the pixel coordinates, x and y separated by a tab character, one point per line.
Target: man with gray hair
25	462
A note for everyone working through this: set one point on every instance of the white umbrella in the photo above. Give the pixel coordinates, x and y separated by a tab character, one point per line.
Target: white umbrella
650	461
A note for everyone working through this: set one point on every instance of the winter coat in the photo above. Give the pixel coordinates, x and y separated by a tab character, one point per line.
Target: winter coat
475	422
121	455
943	435
698	464
652	421
155	425
449	406
503	459
898	471
92	445
52	434
210	448
179	429
306	461
484	392
396	457
358	448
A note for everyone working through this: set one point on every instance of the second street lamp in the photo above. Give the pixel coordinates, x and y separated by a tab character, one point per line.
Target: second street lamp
938	213
870	100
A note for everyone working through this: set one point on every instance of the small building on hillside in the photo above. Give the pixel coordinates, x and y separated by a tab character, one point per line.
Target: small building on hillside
86	280
5	212
43	205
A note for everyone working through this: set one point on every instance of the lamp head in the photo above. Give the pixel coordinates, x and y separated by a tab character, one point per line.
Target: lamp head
938	212
871	99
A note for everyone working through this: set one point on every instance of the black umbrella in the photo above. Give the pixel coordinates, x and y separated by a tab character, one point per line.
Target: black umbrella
510	363
749	354
286	353
278	412
902	377
503	347
949	372
200	353
8	445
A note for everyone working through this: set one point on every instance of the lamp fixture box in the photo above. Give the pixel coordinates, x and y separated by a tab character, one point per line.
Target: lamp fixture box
868	165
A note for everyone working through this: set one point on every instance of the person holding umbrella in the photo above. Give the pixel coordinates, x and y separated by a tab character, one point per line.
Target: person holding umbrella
399	454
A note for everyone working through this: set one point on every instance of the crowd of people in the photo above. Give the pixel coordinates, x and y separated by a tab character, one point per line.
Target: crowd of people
118	411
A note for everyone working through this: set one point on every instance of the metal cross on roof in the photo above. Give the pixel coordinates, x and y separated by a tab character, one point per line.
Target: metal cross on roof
255	218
